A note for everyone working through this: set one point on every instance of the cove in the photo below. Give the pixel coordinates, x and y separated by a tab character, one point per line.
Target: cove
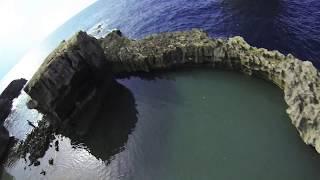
189	124
205	124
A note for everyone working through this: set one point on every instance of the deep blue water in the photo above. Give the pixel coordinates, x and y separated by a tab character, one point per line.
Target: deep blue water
290	26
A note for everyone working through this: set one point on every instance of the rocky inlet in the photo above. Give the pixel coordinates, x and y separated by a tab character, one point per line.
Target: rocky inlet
83	67
300	80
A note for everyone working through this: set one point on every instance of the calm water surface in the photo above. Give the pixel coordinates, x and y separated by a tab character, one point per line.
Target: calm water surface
199	124
184	125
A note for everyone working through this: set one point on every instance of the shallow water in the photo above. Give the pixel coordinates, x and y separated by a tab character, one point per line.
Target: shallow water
199	124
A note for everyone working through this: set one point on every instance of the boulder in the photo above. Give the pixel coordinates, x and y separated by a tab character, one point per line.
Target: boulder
69	76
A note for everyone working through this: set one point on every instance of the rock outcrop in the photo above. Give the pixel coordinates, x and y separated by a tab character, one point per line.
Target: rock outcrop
7	96
69	76
11	92
77	66
300	80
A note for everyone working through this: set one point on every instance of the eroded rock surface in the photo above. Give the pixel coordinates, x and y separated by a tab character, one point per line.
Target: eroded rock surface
69	76
300	80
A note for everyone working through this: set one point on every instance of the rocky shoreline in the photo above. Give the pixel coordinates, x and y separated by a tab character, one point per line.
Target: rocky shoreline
83	68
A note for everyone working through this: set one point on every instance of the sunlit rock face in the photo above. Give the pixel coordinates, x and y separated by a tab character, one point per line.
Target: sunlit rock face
69	76
300	80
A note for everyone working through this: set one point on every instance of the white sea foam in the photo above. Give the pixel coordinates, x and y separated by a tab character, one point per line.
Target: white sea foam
100	29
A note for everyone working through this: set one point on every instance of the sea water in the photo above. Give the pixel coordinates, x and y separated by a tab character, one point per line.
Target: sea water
193	124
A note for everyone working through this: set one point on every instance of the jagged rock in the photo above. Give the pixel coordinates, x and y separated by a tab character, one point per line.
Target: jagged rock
69	76
11	92
300	80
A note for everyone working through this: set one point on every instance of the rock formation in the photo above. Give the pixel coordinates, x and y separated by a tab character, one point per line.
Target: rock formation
300	80
11	92
69	76
75	66
7	96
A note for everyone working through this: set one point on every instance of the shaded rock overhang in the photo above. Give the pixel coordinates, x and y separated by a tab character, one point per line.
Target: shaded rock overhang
300	80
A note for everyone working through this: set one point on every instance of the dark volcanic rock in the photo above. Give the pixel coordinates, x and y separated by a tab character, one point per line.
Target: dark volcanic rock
69	76
11	92
4	141
5	109
13	89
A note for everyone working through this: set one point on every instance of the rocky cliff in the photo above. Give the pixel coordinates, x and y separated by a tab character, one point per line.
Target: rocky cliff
300	80
69	76
71	68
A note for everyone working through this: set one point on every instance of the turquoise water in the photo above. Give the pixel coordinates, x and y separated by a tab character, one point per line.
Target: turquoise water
195	124
217	125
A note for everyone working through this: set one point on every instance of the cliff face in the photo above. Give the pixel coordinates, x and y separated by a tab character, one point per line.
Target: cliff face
300	80
76	67
69	76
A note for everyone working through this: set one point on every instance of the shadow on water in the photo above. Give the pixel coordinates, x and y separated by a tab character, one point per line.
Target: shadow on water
112	118
104	134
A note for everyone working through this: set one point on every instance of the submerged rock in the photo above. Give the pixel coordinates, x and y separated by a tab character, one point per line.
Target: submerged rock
69	76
